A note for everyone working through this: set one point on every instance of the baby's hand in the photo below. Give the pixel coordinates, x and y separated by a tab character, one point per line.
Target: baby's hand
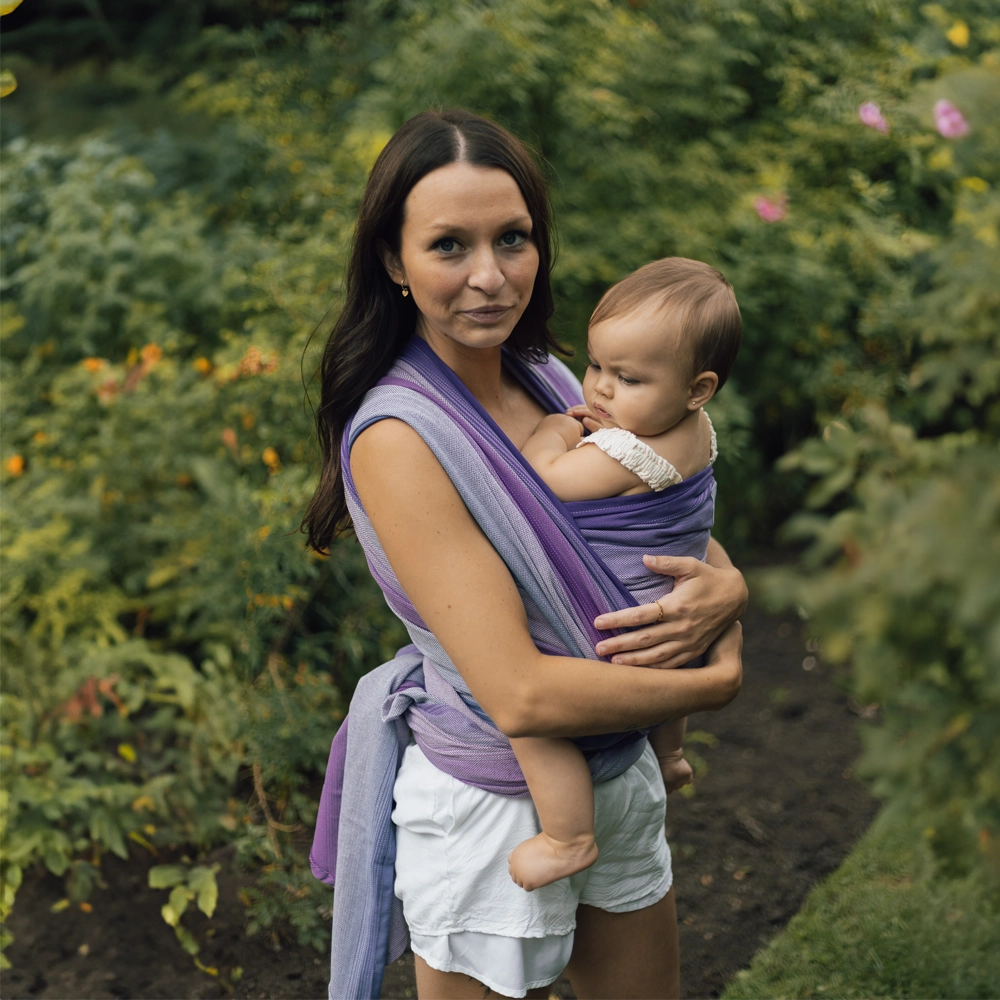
583	414
676	770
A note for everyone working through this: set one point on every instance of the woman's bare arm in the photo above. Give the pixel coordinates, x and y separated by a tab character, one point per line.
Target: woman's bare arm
466	596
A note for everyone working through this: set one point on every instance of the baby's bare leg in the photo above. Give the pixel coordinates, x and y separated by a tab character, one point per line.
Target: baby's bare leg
563	793
667	740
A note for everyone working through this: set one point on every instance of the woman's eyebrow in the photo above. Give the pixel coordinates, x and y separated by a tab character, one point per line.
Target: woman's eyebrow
520	221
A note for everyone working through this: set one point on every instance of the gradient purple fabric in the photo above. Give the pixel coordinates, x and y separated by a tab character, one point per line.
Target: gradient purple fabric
564	581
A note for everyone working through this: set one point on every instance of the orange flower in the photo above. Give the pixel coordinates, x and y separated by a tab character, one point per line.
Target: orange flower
271	460
229	438
40	437
150	354
203	365
254	362
93	364
15	465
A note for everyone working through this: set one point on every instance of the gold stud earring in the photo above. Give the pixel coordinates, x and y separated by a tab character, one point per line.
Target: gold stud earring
405	290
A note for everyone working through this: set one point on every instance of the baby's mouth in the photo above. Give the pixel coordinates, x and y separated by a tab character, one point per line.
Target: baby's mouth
600	411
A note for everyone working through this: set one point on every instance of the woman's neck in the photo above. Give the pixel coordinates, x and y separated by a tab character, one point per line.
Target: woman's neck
479	368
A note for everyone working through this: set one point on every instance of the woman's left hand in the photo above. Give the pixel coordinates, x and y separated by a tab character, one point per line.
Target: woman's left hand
705	600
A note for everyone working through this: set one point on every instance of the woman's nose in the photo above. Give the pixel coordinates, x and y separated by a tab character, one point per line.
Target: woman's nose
486	274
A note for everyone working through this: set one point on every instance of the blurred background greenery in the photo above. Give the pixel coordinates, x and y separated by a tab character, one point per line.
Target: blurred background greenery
179	187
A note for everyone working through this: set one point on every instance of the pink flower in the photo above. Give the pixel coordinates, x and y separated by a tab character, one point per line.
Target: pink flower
871	115
771	209
949	120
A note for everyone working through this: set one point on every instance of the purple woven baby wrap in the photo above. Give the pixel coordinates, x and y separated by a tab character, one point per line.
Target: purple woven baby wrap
568	561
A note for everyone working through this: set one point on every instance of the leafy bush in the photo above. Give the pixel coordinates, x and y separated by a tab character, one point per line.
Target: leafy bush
176	664
902	579
164	634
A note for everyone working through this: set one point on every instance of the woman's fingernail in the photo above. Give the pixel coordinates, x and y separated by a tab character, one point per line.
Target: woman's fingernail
599	622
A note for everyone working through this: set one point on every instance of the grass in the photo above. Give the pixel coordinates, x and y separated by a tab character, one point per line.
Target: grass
884	925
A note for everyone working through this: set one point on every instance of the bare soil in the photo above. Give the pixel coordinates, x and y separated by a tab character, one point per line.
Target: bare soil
776	811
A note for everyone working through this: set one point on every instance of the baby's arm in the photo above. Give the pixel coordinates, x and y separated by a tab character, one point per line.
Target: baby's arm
667	740
574	473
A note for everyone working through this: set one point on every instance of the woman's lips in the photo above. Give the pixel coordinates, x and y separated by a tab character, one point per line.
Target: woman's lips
487	314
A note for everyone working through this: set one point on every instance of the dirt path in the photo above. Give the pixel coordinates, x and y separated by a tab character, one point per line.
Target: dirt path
776	811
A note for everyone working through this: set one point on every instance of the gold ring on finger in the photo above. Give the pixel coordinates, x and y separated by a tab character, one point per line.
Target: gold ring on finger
659	617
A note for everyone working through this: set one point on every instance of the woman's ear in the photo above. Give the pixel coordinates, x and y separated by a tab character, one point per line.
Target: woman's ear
701	389
392	263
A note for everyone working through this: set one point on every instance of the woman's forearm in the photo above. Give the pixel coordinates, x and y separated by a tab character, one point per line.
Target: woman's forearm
561	696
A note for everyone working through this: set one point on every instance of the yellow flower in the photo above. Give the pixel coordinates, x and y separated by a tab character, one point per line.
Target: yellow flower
15	465
6	6
93	364
203	365
270	458
8	82
958	34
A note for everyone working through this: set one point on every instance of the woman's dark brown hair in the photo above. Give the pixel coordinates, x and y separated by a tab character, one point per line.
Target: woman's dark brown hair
377	320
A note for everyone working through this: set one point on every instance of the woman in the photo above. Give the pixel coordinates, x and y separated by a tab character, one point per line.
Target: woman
448	297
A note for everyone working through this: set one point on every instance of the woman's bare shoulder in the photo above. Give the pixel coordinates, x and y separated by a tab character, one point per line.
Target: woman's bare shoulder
391	444
391	464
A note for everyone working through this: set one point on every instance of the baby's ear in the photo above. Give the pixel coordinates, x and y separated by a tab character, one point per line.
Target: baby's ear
701	389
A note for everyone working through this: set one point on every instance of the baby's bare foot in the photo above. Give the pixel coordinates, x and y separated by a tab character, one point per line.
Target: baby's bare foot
542	860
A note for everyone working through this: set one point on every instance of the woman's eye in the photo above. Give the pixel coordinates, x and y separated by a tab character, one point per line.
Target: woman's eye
513	239
447	245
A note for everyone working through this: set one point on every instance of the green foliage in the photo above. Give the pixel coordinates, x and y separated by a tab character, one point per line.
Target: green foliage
883	925
175	662
195	885
164	632
901	577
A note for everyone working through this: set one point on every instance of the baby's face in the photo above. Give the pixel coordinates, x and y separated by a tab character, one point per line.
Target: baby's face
637	378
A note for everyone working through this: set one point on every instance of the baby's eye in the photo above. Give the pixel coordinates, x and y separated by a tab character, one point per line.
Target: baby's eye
514	238
625	380
447	245
594	365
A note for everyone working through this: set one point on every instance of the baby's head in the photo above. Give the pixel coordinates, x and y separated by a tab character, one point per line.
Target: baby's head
661	343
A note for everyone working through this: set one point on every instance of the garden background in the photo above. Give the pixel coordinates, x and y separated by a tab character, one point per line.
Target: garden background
179	185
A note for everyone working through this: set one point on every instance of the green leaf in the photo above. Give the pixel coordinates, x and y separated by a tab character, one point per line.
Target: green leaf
202	881
187	939
165	876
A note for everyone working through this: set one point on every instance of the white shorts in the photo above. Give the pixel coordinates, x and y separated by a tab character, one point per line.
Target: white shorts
464	912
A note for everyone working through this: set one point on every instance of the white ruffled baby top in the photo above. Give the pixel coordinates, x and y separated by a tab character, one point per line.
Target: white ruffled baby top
654	470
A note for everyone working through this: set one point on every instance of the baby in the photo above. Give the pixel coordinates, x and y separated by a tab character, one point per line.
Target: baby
661	343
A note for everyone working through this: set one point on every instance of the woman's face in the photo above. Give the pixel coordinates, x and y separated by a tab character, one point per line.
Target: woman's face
466	255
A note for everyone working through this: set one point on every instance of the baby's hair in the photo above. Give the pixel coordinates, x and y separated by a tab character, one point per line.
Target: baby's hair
705	304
